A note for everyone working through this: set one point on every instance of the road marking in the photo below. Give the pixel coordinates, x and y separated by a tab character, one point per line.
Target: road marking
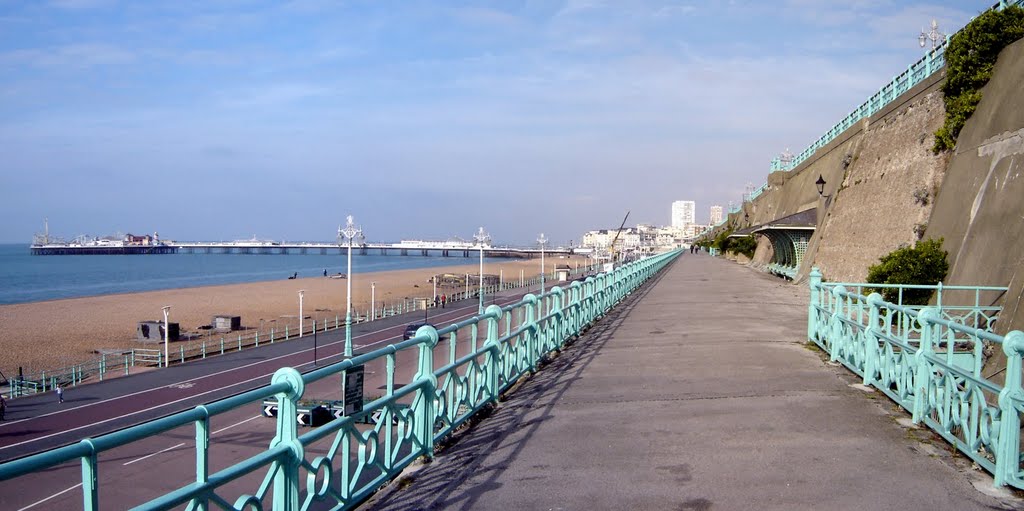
154	454
103	402
183	443
50	497
225	428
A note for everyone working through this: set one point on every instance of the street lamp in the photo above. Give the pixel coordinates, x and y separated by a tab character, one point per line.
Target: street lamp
348	233
821	185
542	240
934	36
481	237
167	334
373	301
302	293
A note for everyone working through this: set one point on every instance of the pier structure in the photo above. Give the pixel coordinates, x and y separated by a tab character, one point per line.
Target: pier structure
259	247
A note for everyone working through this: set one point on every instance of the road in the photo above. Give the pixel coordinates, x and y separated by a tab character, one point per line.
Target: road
137	472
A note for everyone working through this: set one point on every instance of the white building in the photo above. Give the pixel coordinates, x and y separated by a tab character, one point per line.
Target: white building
716	214
683	212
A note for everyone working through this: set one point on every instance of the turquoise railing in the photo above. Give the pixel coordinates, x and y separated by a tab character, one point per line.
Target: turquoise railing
929	360
917	72
114	364
346	460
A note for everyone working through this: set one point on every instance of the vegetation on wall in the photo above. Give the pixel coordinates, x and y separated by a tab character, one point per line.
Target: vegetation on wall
970	57
923	264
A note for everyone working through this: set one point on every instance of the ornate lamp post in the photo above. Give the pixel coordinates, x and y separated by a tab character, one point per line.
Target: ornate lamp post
542	240
933	35
481	237
167	334
349	233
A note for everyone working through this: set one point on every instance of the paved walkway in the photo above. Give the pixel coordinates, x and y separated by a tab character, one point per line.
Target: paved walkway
698	393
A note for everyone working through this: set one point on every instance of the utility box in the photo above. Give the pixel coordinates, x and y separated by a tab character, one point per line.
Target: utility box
562	272
226	323
153	331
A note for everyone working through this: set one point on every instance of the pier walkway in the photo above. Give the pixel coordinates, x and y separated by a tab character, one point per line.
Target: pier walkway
699	392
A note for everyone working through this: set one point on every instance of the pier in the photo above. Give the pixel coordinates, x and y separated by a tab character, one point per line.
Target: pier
257	247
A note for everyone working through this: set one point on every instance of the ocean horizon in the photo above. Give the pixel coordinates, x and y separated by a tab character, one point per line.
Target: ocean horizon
26	278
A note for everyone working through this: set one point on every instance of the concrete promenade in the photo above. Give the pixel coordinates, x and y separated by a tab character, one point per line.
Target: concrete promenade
698	393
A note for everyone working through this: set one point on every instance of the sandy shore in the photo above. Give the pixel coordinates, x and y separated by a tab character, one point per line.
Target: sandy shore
47	335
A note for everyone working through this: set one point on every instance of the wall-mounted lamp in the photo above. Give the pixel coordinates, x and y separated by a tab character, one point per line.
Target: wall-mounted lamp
821	185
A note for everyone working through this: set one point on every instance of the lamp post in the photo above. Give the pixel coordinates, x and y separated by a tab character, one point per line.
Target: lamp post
481	237
167	335
542	240
302	293
348	233
373	301
934	35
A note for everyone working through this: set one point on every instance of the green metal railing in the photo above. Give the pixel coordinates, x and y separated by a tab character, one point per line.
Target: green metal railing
346	460
115	364
930	360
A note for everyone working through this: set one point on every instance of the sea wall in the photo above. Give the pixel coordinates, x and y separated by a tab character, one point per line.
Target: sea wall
885	188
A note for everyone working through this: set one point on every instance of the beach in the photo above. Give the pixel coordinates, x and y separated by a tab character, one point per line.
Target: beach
51	334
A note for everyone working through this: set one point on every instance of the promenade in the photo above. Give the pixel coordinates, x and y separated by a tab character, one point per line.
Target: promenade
699	392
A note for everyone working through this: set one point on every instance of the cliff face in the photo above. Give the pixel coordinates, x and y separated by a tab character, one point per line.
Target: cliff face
885	188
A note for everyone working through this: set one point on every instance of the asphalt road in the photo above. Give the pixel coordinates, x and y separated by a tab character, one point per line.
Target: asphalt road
135	473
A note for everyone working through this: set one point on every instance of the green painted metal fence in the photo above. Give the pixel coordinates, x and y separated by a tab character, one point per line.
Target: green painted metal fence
930	361
339	464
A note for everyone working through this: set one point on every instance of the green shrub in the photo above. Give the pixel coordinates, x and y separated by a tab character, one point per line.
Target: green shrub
923	264
722	241
745	245
970	57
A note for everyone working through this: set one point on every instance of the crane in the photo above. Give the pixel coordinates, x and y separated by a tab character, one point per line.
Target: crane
611	247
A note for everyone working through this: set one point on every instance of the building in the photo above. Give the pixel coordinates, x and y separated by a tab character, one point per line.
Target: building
716	214
683	213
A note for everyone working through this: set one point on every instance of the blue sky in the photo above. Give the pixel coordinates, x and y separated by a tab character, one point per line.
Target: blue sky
217	120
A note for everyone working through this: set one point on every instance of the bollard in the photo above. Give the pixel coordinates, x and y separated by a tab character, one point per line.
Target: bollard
222	345
286	333
126	365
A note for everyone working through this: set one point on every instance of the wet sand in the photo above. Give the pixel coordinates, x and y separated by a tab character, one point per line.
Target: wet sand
51	334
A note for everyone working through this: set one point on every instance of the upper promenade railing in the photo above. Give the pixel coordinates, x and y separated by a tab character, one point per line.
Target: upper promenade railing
929	360
916	73
346	460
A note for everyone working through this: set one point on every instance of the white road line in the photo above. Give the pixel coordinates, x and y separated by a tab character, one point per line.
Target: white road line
154	454
50	497
225	428
186	397
183	443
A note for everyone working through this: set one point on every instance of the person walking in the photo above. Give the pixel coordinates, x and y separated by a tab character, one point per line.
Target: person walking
60	394
3	407
444	300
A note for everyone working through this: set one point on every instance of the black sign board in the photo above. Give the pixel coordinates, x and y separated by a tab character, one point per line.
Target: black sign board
353	390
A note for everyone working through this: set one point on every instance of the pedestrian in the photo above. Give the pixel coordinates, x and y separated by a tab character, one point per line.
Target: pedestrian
437	301
444	300
60	394
3	407
325	272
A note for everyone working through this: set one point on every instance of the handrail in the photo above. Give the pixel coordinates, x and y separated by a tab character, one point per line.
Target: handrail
929	360
413	417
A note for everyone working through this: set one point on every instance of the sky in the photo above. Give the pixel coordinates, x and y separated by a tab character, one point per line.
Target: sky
221	120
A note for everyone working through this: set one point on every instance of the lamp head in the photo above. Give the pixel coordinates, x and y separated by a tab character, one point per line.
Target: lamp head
821	184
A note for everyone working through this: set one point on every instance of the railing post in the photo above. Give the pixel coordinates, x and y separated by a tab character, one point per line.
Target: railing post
1008	446
923	370
202	453
557	336
533	329
425	413
812	308
286	480
871	339
90	479
836	323
492	361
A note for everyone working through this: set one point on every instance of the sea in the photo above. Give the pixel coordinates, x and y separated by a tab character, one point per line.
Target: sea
27	278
